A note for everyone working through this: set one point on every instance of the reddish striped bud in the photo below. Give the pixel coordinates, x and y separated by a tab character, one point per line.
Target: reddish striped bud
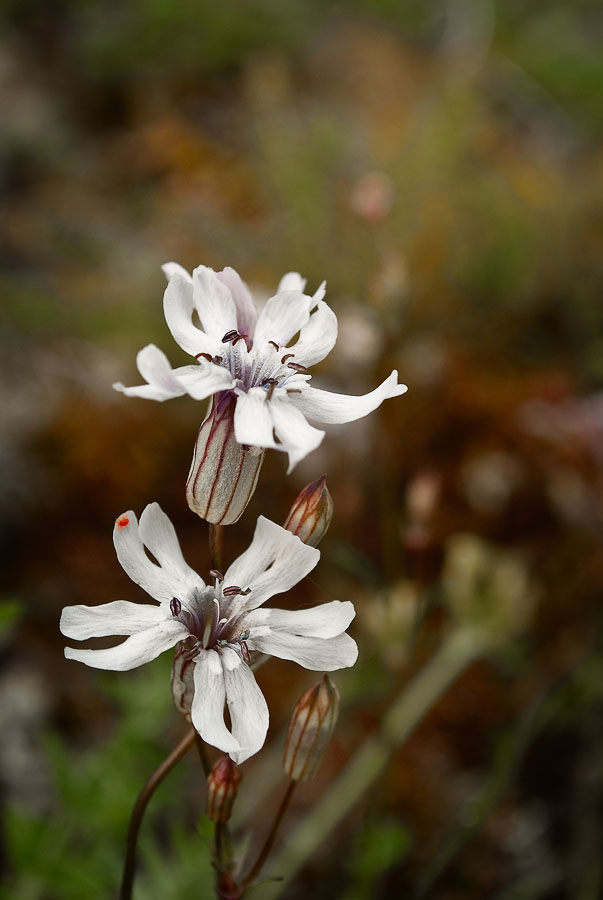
222	787
310	730
310	516
223	473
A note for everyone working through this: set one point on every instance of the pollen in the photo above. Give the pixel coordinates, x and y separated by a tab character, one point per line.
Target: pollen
122	522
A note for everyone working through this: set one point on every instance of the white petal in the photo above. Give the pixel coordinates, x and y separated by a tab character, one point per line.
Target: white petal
135	562
203	380
297	436
158	534
292	281
309	652
214	303
317	338
324	621
246	311
154	365
207	711
324	406
172	268
247	706
118	617
274	562
178	309
135	650
282	317
253	419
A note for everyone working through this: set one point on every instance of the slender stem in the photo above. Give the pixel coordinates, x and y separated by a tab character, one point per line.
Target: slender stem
216	542
127	882
265	851
203	754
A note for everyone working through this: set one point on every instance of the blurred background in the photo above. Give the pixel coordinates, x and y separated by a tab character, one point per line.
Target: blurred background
440	164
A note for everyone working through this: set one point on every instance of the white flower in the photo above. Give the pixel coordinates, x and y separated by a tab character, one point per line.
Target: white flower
218	624
250	356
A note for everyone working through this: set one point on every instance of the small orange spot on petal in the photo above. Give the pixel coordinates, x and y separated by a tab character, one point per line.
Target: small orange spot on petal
122	522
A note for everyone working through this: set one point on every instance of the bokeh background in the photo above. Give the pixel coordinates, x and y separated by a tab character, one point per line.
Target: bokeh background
440	164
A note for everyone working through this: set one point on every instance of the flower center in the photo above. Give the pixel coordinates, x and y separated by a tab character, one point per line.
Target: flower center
209	628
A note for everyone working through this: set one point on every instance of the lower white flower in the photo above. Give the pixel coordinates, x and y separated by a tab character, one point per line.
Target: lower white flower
216	626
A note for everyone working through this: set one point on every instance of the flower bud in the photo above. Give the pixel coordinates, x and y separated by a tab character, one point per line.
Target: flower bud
310	729
310	516
222	787
183	687
223	473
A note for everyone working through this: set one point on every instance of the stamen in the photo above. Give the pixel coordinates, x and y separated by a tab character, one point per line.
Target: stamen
175	607
275	345
231	591
269	381
230	336
245	592
215	573
245	652
270	391
239	337
297	367
287	356
206	356
294	390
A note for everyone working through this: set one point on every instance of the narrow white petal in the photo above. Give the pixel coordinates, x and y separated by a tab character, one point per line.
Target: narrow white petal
253	421
178	309
207	711
318	336
292	281
274	561
246	704
246	311
135	562
214	303
172	268
203	380
297	436
310	652
118	617
134	651
324	406
158	534
155	367
282	317
324	621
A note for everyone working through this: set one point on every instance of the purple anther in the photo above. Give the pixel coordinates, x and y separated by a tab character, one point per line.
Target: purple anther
297	367
175	606
230	336
215	573
286	357
245	652
231	591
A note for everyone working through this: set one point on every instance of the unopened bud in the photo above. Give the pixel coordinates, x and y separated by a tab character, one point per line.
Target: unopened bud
310	730
223	473
222	787
310	516
183	687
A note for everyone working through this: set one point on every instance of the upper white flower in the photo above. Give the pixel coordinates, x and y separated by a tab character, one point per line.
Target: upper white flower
249	354
219	623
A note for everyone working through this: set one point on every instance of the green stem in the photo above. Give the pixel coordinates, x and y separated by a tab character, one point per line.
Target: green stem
461	648
265	851
127	882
